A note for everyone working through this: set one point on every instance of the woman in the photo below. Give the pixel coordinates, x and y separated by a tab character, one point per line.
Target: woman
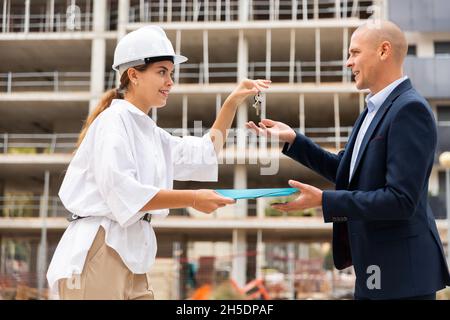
122	175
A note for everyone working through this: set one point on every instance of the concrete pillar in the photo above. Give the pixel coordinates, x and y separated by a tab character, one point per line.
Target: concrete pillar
240	182
317	39
305	10
4	15
122	18
205	57
26	27
242	112
337	9
218	103
98	53
268	52
177	51
239	263
241	119
345	70
42	250
184	118
433	184
337	124
316	9
361	102
294	9
291	269
243	10
122	21
260	255
51	15
292	57
242	57
302	112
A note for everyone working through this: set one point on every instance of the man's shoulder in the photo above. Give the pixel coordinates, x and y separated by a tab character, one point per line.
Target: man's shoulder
411	104
410	97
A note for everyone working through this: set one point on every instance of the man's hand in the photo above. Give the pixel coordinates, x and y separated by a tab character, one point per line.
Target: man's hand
274	129
310	197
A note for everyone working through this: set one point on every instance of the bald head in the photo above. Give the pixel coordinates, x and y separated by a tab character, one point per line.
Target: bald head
381	31
376	54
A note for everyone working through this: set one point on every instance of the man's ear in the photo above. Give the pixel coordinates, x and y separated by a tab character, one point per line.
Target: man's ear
385	50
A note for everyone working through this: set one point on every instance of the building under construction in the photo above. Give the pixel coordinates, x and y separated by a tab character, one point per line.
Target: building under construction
56	63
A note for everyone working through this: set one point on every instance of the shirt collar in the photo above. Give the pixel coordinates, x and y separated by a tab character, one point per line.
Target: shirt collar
374	101
133	109
130	107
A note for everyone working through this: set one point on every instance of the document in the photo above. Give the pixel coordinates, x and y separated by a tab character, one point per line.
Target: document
256	193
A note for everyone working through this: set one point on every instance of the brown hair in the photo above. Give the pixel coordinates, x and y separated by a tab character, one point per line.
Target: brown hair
106	100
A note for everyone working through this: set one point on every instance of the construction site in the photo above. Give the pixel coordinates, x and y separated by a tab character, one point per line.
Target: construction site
56	63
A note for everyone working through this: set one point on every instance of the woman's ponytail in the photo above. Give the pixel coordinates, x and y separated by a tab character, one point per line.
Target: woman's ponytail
104	103
106	100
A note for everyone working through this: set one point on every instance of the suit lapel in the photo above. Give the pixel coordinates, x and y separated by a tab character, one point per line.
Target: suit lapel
405	85
349	148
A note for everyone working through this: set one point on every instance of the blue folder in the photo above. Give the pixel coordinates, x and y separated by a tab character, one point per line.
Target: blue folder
256	193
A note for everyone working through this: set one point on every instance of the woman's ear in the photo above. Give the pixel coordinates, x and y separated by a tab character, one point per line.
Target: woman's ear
132	75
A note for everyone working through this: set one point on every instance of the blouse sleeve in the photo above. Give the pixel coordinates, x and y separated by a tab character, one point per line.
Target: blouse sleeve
193	158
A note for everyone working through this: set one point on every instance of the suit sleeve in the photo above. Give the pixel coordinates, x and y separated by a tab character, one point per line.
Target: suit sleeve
305	151
410	149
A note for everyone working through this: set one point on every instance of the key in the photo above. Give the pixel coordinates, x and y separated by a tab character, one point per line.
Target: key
257	104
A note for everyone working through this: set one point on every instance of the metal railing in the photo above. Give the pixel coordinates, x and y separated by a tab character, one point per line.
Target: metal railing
320	135
13	206
55	81
307	10
301	71
38	143
60	22
15	143
43	23
226	72
280	71
184	11
203	11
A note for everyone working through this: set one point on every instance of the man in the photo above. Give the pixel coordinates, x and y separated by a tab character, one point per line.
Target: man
382	223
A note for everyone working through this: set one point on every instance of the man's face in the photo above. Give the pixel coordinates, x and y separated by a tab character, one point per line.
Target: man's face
363	60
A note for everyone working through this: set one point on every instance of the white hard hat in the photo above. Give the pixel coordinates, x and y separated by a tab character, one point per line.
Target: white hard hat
143	43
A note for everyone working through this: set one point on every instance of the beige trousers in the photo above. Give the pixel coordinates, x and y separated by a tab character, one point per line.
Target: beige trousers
105	277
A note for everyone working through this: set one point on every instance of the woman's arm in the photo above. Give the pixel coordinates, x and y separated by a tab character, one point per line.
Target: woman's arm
226	114
203	200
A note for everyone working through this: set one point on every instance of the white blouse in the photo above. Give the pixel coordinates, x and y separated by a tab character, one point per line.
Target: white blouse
122	163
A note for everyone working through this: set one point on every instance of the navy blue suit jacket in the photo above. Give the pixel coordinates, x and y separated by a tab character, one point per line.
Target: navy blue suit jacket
382	217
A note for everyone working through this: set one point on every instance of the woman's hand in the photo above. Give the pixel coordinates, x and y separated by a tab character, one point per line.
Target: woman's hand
208	201
247	88
274	129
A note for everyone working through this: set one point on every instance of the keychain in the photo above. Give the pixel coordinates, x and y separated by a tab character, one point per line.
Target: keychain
257	104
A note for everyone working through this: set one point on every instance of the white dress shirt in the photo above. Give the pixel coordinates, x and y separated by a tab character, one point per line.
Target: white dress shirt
374	103
122	163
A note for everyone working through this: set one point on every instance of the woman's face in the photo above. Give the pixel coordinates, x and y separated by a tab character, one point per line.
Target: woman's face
155	83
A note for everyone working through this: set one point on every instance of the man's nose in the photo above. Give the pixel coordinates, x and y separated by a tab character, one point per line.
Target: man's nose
349	63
